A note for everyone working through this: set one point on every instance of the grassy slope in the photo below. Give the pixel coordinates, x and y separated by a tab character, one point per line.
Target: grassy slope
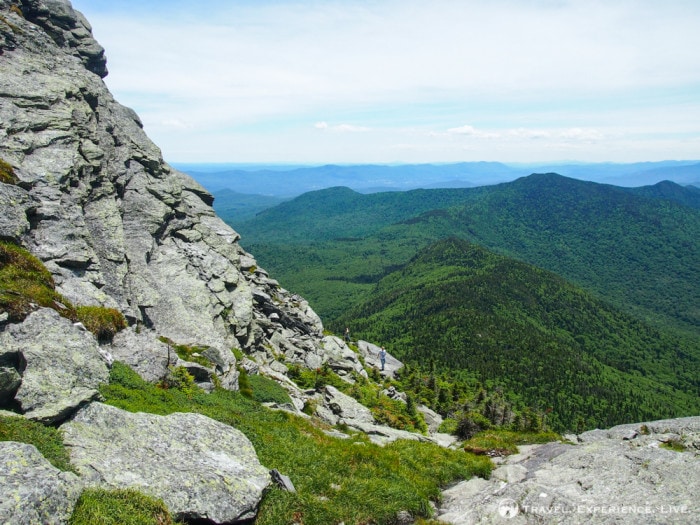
550	343
337	480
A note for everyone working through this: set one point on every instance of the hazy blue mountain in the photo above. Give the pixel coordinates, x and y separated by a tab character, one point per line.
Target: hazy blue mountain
290	180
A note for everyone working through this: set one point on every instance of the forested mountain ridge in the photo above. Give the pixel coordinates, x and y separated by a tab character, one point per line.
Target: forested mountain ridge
548	343
340	212
637	251
686	195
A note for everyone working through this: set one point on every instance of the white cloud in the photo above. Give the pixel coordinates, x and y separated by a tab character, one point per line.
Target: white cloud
564	70
581	134
529	133
471	131
341	128
174	123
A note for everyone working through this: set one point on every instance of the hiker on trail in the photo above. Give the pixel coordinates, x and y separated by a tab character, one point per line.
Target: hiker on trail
347	334
382	357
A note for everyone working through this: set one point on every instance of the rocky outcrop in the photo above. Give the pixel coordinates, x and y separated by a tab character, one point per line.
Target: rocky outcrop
114	223
33	490
16	205
201	469
370	353
116	226
337	408
69	29
59	363
621	475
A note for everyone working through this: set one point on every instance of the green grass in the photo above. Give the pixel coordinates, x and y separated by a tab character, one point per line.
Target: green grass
25	282
119	507
351	480
674	444
190	353
505	442
386	411
47	440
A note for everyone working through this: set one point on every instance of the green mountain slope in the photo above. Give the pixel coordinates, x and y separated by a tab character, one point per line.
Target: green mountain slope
340	212
639	250
686	195
234	207
548	343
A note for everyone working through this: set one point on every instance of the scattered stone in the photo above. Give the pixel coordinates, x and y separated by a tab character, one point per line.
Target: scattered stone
282	480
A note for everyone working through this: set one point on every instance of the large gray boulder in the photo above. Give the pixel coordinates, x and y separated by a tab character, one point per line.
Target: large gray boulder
60	364
200	468
337	408
69	29
618	476
341	359
33	491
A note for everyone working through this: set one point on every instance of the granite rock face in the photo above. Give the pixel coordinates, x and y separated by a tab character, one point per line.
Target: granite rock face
200	468
623	475
114	223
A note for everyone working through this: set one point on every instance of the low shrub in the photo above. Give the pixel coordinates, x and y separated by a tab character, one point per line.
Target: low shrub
25	282
317	378
471	424
674	444
191	353
180	379
101	321
244	384
497	442
7	173
265	390
448	426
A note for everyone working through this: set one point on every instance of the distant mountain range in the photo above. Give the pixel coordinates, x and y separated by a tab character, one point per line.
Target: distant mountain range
290	181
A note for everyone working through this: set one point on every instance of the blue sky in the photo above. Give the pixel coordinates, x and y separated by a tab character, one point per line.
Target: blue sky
379	81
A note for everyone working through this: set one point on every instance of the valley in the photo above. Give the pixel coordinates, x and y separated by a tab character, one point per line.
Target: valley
576	298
